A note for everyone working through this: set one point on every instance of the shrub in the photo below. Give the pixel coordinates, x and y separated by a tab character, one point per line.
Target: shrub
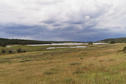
124	49
19	50
3	44
3	51
75	63
112	42
23	50
10	51
79	71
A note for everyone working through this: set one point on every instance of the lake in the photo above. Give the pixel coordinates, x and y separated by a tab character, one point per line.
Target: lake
58	44
66	47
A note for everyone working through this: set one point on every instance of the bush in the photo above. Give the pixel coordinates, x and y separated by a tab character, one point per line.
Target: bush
124	49
112	42
79	71
3	44
3	51
19	50
75	63
24	51
10	51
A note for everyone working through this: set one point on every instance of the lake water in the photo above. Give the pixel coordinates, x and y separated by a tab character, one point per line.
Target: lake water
58	44
66	47
99	43
74	45
65	44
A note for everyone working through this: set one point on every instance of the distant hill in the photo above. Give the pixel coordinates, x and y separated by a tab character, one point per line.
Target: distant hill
116	40
20	41
4	41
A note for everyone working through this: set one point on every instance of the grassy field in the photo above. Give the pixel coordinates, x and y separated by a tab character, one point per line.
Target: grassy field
99	64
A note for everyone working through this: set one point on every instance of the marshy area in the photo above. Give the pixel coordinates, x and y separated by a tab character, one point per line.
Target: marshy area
12	49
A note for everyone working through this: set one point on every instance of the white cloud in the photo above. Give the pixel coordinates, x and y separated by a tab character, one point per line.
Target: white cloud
103	14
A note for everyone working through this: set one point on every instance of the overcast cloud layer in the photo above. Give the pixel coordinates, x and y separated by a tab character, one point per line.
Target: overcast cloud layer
78	20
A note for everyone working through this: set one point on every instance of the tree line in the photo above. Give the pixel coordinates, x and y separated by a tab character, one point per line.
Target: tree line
4	42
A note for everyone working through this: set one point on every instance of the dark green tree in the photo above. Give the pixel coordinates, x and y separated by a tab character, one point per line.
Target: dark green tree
112	42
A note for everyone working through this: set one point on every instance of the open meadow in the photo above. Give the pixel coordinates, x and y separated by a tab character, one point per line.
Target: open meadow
97	64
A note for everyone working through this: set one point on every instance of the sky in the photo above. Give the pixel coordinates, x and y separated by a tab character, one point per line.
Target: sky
62	20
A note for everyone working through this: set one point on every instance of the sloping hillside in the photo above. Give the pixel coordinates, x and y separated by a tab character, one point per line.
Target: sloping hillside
116	40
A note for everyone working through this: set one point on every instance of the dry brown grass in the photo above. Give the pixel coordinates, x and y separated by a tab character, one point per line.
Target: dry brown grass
101	64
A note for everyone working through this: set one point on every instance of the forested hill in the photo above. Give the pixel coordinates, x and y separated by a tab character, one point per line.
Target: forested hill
4	41
19	41
116	40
